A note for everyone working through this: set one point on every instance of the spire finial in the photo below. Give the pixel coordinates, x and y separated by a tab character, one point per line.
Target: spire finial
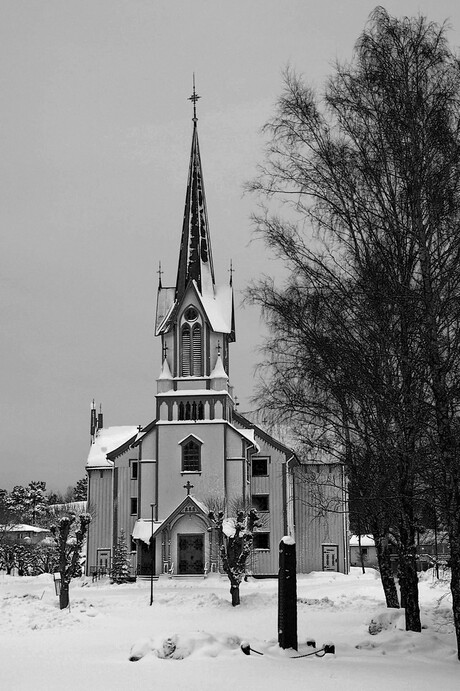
194	98
159	272
231	272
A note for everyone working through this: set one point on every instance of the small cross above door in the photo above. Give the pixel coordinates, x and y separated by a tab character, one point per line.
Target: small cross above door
188	487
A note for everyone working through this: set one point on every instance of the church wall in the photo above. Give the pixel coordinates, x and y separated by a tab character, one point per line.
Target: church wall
171	479
149	445
127	495
147	474
146	487
100	506
235	477
314	528
265	561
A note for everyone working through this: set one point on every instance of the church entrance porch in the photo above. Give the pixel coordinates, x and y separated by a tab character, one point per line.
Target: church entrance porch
190	553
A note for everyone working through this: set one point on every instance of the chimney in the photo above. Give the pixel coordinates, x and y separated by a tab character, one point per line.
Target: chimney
93	425
100	418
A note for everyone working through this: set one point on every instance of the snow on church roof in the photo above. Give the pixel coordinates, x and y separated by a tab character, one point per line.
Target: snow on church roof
219	308
108	439
144	529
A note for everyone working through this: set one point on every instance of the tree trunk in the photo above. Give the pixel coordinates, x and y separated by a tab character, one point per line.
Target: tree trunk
454	539
235	593
361	555
386	571
64	595
408	581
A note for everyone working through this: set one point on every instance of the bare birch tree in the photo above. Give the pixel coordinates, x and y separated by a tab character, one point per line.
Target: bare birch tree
373	168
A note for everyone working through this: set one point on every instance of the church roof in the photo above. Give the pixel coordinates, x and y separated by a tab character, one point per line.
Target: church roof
107	440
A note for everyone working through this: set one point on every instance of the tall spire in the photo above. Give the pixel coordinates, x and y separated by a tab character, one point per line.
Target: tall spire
195	258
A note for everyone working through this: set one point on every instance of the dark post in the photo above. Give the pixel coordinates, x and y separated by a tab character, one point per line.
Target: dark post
436	542
153	560
287	595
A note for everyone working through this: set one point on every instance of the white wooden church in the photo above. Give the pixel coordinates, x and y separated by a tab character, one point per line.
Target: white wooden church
157	483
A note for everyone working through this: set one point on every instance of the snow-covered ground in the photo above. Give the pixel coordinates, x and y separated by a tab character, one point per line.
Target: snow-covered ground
89	646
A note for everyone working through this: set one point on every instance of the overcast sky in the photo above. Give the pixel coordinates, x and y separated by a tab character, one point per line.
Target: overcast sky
95	132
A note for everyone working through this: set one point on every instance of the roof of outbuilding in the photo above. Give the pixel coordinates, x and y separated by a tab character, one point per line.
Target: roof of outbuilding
24	528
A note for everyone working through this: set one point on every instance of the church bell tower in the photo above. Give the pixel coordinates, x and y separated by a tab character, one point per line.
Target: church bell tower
195	318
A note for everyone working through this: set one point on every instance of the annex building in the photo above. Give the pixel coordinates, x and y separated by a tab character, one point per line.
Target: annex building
157	483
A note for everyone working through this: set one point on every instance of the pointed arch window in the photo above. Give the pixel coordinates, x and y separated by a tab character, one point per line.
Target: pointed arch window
191	456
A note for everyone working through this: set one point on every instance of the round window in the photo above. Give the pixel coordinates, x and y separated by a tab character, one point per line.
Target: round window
191	314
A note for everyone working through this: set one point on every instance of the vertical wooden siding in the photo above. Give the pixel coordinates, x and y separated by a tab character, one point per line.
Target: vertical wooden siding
100	528
315	527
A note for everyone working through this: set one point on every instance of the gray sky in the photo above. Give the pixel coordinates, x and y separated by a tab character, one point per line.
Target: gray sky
95	134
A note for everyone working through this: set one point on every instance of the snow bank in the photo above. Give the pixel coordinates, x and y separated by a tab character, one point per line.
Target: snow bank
192	621
179	646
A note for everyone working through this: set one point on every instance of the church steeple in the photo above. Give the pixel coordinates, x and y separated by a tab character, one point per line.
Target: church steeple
195	318
195	258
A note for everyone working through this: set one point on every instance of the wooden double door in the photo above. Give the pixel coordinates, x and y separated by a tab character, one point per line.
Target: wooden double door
190	553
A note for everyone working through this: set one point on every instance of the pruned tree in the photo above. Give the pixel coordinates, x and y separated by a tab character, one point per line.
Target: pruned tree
69	547
235	536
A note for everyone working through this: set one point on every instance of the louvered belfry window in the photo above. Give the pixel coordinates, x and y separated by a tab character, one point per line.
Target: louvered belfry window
186	351
197	358
191	348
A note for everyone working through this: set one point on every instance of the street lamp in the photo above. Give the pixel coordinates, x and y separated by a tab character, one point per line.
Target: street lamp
152	563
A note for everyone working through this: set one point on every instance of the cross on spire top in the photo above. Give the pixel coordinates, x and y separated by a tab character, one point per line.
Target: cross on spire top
194	98
160	273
